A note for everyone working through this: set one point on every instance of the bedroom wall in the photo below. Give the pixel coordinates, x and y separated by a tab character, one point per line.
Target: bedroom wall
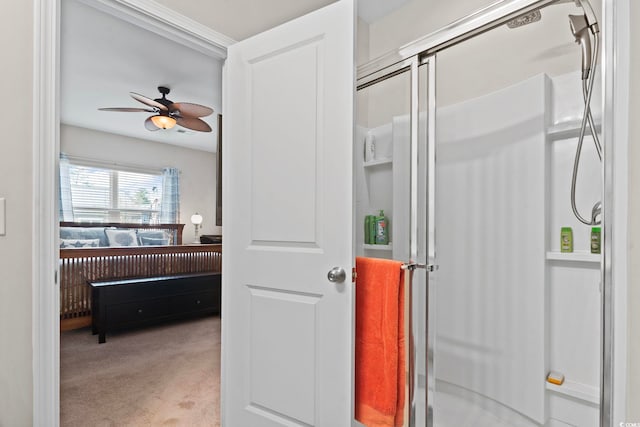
198	168
16	39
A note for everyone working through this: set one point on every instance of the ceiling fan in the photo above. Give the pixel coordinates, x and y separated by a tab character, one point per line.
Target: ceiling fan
167	113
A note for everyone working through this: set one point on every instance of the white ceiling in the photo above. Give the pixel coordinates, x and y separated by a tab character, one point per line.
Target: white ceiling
240	19
103	58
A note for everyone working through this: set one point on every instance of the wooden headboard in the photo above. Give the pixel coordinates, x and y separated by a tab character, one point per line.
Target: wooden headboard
79	265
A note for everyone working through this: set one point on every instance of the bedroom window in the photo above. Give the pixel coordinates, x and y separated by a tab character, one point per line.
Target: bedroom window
119	195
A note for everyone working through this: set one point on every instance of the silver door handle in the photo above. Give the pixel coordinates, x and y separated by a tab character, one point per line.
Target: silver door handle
337	275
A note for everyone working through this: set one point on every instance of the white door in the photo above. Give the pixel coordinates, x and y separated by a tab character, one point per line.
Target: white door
287	330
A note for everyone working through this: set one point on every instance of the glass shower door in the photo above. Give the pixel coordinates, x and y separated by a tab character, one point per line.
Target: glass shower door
468	362
488	305
383	152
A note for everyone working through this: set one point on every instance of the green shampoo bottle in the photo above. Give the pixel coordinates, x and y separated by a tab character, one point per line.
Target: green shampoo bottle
566	239
372	229
595	240
382	229
367	229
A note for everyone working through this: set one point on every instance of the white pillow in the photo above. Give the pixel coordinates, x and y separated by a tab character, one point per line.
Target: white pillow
150	241
121	237
79	243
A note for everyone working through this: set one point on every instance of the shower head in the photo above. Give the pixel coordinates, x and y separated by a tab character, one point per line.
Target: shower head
527	18
580	29
589	15
534	15
578	24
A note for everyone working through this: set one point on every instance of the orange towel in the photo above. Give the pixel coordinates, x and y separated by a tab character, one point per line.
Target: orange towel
380	343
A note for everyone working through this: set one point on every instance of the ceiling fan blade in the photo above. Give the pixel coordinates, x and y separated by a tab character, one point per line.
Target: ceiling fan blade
193	123
188	109
148	101
127	110
149	124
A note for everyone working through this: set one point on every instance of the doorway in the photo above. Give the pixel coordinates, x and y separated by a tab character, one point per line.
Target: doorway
191	36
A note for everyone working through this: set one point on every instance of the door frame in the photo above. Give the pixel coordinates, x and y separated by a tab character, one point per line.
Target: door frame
615	73
146	14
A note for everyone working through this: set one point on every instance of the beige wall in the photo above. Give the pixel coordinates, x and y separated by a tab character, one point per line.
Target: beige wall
16	394
415	19
420	17
362	41
494	60
633	386
362	56
197	168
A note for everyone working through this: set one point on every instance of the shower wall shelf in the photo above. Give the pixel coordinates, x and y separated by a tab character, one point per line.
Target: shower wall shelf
378	247
574	256
567	129
377	162
576	390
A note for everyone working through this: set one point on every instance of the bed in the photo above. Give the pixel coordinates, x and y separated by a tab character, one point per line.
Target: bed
80	263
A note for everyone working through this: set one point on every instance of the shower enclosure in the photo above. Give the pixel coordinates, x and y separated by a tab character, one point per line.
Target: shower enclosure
476	186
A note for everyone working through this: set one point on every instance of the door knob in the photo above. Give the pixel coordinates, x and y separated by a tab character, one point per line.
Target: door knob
337	275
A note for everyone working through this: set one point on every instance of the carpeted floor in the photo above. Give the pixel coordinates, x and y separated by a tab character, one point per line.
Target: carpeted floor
157	376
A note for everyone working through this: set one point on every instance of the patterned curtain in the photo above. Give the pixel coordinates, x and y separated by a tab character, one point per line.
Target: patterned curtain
64	193
170	205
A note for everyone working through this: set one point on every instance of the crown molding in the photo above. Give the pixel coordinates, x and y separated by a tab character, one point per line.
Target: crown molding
168	23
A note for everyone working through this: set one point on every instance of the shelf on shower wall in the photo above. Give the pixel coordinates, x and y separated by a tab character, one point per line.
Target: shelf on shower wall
568	129
378	247
377	162
579	391
574	257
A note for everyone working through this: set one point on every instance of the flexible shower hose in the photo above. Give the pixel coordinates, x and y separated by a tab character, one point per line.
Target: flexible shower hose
587	91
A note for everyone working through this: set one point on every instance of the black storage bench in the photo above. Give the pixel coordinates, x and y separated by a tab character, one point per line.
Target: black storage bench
125	303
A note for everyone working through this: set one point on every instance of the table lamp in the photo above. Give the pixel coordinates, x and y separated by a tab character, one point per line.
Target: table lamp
196	220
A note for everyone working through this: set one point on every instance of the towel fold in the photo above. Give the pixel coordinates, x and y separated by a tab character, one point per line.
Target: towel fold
380	343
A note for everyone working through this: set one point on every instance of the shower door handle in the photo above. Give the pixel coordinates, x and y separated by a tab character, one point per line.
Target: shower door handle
416	265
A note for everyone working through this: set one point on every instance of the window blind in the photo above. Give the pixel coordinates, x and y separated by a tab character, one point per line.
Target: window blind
101	194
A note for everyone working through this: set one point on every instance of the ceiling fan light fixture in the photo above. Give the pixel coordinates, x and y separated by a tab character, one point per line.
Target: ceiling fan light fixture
167	114
163	122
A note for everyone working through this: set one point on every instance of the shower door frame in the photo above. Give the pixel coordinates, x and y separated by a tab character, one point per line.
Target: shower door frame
422	52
